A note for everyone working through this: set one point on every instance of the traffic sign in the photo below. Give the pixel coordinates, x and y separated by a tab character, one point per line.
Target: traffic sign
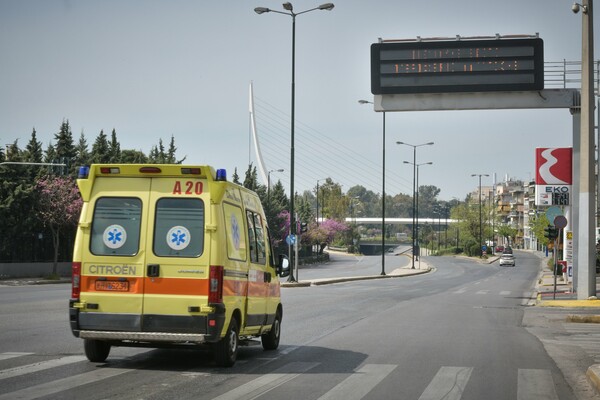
560	222
290	240
552	213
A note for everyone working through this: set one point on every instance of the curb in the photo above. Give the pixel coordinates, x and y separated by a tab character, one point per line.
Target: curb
329	281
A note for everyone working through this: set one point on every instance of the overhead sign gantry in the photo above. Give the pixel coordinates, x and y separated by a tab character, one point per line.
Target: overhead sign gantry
485	73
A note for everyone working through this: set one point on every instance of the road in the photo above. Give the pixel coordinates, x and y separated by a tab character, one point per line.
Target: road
455	333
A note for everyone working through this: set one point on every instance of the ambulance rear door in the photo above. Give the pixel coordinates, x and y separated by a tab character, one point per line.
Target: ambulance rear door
177	254
112	279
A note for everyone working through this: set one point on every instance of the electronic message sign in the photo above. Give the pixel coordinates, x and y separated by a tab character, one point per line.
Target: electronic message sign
480	65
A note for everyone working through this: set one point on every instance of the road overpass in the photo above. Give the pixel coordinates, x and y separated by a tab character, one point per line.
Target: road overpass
401	221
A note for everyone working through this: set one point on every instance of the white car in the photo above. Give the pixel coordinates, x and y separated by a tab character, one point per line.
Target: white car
507	259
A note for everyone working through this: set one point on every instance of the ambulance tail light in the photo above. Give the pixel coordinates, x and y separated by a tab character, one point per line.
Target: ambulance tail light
110	170
76	280
215	284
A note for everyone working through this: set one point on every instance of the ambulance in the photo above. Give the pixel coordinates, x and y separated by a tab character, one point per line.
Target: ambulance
172	255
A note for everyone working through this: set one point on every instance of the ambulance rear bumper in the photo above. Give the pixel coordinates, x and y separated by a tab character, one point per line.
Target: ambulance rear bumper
146	336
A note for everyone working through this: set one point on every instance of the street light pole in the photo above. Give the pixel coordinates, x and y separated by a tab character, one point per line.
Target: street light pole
480	216
417	201
382	193
585	274
414	163
318	180
288	7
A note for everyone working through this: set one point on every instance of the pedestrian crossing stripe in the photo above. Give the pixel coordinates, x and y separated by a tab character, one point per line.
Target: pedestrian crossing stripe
9	355
267	382
449	383
357	385
39	366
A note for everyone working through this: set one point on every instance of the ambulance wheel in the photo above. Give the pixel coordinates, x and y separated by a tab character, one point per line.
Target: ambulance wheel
96	350
226	349
270	340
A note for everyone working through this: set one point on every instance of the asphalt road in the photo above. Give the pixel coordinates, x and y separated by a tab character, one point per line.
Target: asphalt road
455	333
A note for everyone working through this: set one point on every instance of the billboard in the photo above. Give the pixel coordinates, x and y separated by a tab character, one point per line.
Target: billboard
553	176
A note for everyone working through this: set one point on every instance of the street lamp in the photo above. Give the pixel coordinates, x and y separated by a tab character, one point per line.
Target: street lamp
288	7
480	215
382	194
417	208
414	193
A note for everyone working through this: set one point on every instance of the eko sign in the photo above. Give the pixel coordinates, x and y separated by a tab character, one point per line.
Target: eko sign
554	176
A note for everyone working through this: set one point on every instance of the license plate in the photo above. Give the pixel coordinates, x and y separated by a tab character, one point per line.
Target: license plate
112	286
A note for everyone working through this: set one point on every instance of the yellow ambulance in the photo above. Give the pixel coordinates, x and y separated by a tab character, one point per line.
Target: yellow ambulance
172	255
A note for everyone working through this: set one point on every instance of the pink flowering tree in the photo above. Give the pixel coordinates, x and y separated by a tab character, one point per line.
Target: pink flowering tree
58	207
324	234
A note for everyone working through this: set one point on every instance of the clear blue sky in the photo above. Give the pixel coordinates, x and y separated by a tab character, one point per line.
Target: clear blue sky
152	69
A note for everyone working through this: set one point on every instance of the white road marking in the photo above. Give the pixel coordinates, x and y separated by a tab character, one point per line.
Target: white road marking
267	382
39	366
448	384
357	385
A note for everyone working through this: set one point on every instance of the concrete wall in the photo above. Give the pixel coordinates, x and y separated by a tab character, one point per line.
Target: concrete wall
32	270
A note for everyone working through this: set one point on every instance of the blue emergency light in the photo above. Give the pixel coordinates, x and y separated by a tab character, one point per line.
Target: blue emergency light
221	175
84	172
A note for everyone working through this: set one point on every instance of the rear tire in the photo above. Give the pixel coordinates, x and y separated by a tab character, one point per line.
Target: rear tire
96	350
226	349
270	340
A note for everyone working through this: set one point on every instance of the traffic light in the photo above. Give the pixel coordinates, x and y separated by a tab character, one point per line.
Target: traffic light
551	232
303	227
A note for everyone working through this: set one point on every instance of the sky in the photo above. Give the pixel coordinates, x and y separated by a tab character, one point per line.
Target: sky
154	69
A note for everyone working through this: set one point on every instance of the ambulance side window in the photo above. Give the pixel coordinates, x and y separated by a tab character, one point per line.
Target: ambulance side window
179	228
272	262
116	226
256	237
234	228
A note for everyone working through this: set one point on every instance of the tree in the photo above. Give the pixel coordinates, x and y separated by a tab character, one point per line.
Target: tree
133	157
58	207
64	148
114	149
326	233
33	150
100	150
171	157
82	154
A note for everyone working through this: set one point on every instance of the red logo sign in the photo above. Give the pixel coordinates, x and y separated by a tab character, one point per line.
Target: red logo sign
554	166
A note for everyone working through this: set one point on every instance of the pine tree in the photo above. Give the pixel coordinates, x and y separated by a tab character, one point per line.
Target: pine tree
82	154
115	148
33	150
65	148
100	150
236	177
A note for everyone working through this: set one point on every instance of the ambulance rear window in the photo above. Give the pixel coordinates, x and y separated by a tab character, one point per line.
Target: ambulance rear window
179	228
116	226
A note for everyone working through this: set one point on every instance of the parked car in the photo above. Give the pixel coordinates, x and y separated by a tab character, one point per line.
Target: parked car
499	249
507	259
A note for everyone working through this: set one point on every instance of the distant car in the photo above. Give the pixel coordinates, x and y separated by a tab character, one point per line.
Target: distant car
507	250
499	249
507	259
